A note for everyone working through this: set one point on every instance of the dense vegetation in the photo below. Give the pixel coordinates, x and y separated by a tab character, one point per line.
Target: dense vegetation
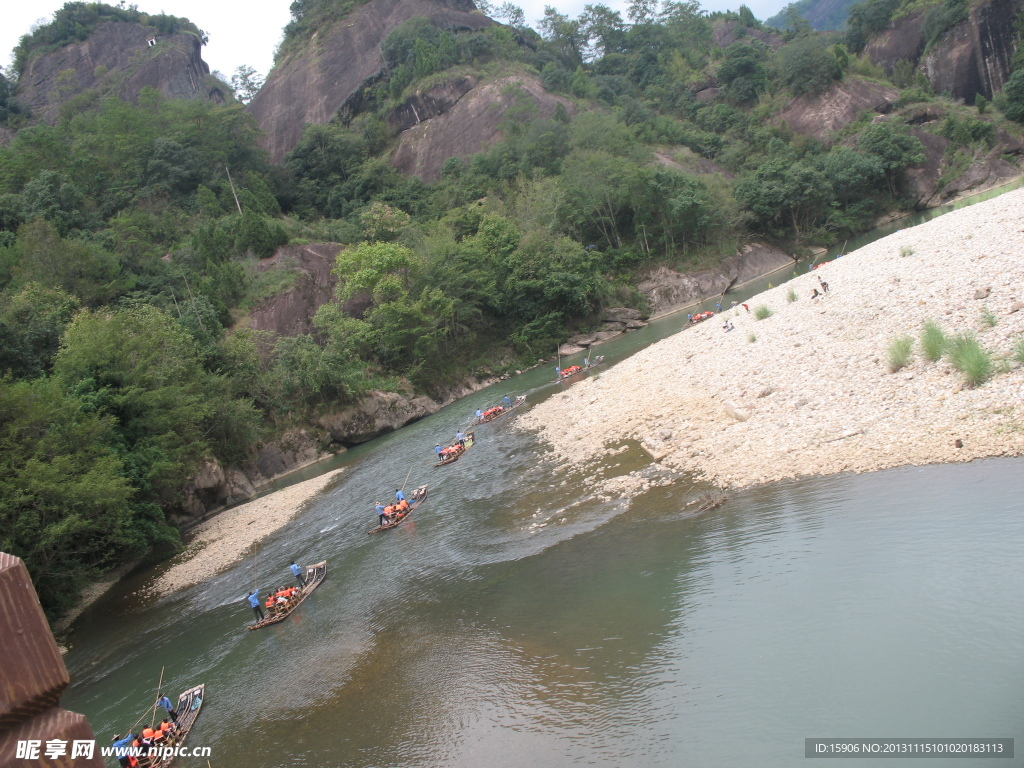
127	253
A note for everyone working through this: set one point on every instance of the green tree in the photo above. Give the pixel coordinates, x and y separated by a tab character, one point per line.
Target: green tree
1013	96
894	146
65	503
246	82
807	66
31	324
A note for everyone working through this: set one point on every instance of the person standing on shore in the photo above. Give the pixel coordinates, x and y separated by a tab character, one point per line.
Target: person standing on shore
297	573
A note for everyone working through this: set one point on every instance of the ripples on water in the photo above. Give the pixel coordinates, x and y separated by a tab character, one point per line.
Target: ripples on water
513	620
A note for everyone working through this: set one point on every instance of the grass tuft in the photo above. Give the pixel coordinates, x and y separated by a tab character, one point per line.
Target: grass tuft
988	319
752	338
933	341
791	295
970	358
897	354
763	312
906	250
1017	351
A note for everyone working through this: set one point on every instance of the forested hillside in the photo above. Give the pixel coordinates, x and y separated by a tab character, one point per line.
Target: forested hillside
132	234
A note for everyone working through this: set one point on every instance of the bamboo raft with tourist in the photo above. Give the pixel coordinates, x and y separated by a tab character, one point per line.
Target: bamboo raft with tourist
282	602
454	452
572	370
497	411
162	738
395	514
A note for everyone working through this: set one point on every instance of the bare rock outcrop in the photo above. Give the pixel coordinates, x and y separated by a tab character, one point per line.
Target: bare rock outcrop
973	57
375	415
118	59
728	32
433	102
470	125
291	312
329	74
823	115
925	184
666	289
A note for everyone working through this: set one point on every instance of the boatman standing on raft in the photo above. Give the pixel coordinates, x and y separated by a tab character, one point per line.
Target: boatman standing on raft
254	601
297	573
381	516
164	702
399	496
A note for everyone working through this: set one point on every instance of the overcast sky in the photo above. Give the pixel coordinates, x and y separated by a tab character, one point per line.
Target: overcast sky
247	32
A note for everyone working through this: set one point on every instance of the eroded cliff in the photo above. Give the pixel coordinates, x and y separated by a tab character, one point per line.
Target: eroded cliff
118	59
329	74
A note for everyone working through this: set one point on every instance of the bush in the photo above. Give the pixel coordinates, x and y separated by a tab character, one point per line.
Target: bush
752	338
763	312
970	358
791	295
933	341
1013	96
807	66
897	354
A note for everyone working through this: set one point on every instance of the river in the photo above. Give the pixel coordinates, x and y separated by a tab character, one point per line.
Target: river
516	620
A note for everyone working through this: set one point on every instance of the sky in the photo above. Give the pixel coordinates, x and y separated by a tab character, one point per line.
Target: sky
247	33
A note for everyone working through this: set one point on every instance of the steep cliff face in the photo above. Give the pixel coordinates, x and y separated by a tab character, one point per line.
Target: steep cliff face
823	115
329	74
291	312
469	123
117	59
971	58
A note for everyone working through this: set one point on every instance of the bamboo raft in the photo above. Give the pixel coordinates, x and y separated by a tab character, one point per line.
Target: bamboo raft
505	410
315	574
467	443
416	498
563	376
187	708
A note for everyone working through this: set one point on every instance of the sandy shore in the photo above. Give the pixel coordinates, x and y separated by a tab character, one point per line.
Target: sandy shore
229	536
812	379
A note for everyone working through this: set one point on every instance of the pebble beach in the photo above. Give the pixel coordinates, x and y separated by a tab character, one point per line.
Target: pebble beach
808	390
229	536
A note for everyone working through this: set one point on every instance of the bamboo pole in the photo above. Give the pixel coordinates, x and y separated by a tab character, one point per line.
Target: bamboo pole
159	687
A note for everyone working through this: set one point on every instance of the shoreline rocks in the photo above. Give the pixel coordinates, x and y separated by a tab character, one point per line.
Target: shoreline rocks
812	378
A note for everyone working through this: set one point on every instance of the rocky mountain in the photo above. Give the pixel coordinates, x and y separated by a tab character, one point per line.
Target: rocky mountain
462	118
327	76
972	57
118	58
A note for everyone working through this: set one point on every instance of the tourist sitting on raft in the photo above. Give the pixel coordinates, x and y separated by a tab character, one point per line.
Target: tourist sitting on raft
570	370
392	512
452	450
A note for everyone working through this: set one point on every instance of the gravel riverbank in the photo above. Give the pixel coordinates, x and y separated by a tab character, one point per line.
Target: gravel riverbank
229	536
809	386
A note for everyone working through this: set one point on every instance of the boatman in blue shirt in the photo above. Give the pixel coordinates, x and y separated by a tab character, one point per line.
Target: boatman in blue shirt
164	702
381	518
508	403
480	414
297	573
254	601
121	746
460	438
399	495
437	450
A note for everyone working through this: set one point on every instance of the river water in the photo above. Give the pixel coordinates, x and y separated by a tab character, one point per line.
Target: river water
516	620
